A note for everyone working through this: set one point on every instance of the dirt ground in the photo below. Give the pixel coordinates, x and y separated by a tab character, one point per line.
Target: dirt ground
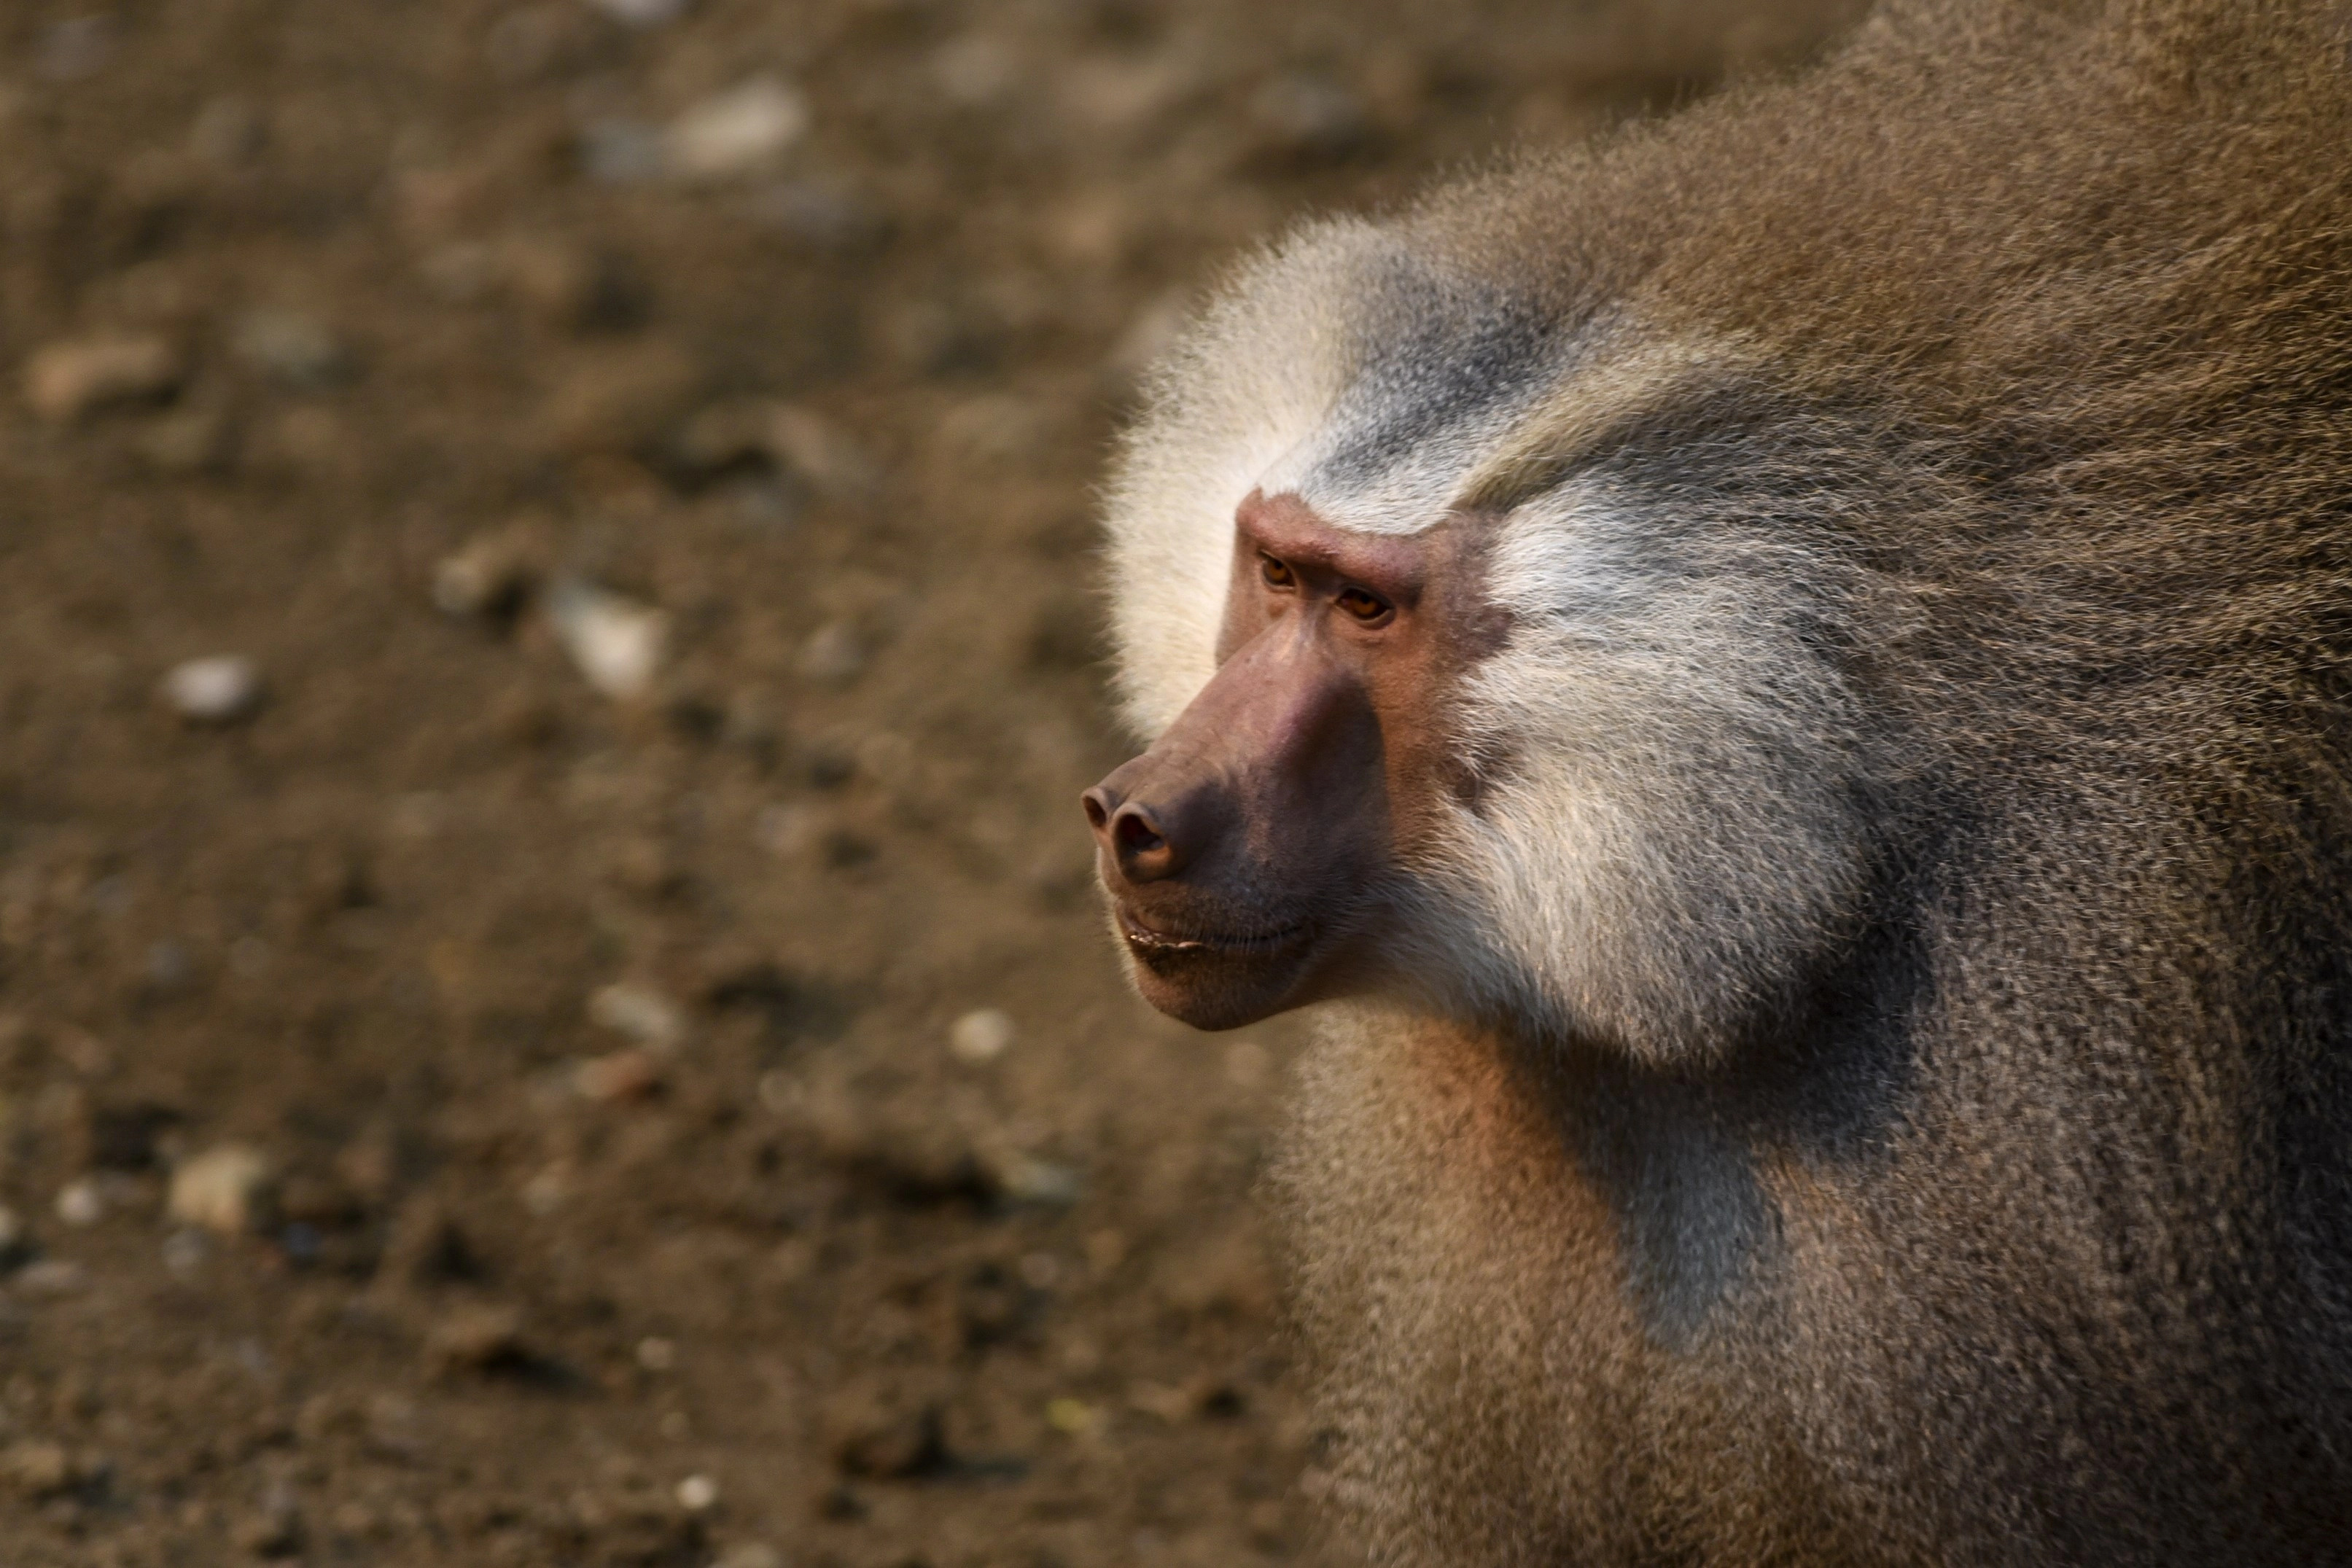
590	1041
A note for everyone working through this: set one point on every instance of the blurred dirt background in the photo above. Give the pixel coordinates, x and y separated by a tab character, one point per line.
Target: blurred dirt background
552	1009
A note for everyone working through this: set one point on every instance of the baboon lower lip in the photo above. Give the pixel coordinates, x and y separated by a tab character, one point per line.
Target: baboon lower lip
1148	939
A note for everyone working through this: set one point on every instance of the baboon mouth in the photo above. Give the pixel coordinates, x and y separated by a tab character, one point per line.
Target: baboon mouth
1150	941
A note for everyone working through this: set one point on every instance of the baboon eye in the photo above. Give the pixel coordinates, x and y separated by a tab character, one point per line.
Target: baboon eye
1361	603
1275	573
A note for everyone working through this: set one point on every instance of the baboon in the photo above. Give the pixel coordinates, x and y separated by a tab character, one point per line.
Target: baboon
1780	686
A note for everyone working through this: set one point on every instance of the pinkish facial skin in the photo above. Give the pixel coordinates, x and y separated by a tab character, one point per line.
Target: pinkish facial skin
1246	853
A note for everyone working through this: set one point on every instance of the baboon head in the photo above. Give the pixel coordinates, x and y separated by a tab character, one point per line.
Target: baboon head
1431	717
1248	851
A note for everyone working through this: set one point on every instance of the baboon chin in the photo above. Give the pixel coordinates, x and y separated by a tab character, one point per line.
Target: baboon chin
1810	640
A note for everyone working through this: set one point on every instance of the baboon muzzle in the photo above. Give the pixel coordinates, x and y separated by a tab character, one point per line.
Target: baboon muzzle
1225	846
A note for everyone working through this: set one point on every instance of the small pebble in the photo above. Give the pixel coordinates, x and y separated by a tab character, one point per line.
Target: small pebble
822	452
80	1204
698	1494
486	579
1041	1182
981	1035
37	1470
229	1189
643	1014
221	689
751	1554
642	13
656	1354
616	643
1073	1417
629	1074
739	132
68	382
834	654
291	348
480	1338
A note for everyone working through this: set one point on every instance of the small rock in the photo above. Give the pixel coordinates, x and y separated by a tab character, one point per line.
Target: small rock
229	1189
619	398
834	654
476	1338
489	578
643	1014
980	1035
737	133
618	1075
820	451
1073	1417
642	13
617	642
220	689
37	1470
68	382
656	1354
751	1554
698	1494
568	286
272	1531
1041	1182
80	1204
292	349
884	1429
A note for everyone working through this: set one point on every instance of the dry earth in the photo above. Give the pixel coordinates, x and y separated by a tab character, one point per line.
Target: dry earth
593	1043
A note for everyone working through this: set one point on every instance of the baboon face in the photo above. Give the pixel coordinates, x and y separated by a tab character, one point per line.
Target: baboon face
1245	852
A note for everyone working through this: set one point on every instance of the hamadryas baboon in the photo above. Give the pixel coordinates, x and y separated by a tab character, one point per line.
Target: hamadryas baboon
1781	684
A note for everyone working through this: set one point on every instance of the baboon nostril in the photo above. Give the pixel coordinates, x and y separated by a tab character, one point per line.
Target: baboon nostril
1136	833
1143	850
1098	812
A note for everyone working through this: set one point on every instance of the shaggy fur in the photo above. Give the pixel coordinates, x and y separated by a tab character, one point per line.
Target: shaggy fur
1870	1079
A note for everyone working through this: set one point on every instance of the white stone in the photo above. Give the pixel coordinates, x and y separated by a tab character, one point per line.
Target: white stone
80	1204
981	1035
698	1494
639	1012
219	689
738	132
227	1190
617	642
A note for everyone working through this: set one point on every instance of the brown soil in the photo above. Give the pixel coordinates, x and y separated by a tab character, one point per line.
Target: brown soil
412	298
